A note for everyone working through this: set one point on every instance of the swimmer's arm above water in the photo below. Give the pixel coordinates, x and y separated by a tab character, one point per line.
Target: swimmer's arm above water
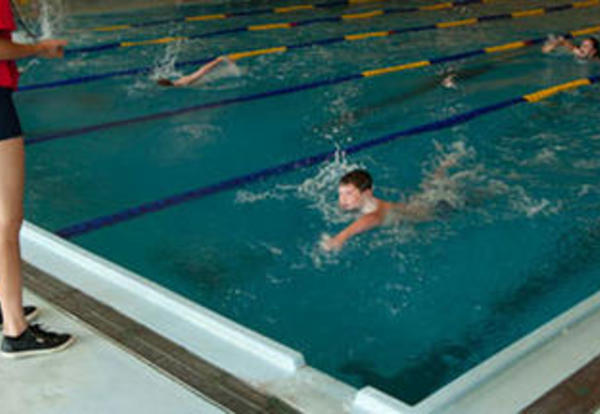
363	224
440	172
46	48
559	42
189	79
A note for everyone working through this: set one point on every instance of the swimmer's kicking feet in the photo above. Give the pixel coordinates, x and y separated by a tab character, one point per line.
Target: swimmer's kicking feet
194	77
589	48
355	193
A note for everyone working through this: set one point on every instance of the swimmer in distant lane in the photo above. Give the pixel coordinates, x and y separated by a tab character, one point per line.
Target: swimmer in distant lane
355	192
589	48
194	77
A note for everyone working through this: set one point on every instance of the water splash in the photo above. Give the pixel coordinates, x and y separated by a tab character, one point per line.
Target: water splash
227	69
321	189
165	65
51	18
521	202
440	186
249	197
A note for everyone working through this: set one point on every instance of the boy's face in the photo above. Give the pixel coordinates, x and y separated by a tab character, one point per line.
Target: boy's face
350	197
587	48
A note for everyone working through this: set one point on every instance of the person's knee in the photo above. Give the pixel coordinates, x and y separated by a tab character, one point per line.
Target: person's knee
9	228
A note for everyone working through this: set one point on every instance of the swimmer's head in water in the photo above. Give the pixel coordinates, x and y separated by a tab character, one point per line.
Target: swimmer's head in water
165	82
354	188
590	48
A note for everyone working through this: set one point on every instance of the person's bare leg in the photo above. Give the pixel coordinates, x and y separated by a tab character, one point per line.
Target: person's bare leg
12	179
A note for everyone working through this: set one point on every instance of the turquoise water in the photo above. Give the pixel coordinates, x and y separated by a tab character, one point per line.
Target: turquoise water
407	308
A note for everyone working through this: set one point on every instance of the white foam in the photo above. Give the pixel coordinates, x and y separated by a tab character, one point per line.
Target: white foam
51	18
523	203
165	65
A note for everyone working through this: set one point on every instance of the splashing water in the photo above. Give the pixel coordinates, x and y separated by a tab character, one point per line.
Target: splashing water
51	18
165	65
321	189
451	189
226	70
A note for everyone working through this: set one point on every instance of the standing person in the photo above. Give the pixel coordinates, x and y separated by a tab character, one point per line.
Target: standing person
20	338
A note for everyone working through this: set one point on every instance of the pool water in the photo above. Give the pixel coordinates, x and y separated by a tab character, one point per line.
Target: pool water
406	308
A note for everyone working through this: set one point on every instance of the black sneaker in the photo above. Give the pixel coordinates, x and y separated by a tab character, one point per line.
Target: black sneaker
35	341
31	312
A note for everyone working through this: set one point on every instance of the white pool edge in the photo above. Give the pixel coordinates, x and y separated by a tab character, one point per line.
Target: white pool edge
46	251
370	400
266	364
67	262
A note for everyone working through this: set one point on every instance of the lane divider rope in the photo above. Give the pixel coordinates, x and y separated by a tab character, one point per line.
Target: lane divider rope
284	91
300	23
247	54
131	213
266	11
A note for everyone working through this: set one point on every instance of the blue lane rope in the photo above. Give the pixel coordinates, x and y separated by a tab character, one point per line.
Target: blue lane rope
128	214
227	15
475	20
277	92
263	95
279	49
195	108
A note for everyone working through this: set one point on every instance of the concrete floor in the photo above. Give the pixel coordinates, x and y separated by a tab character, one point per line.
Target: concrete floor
93	376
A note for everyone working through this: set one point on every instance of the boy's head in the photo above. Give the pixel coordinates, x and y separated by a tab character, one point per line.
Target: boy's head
353	189
165	82
590	47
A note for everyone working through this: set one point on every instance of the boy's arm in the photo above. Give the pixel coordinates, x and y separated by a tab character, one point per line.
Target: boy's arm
558	42
46	48
186	80
567	44
365	223
439	173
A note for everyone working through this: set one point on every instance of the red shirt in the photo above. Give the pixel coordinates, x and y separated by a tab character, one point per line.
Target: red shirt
9	76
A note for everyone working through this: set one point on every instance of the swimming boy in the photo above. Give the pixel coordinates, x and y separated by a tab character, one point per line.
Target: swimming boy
194	77
589	48
355	193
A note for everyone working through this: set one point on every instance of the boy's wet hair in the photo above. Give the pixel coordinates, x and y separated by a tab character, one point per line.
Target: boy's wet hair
596	44
165	82
361	179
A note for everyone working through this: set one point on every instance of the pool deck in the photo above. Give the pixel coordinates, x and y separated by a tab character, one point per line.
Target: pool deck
95	375
116	365
208	358
140	370
580	393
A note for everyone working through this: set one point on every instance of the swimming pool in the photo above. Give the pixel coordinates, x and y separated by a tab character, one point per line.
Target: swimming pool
405	309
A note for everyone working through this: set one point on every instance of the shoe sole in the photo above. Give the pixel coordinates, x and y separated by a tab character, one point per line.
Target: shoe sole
37	352
29	318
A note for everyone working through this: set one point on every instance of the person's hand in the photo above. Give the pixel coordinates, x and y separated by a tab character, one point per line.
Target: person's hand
51	49
329	243
450	161
551	43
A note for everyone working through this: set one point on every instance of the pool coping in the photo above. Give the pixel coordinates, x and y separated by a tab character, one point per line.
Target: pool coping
580	393
265	365
151	348
261	363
